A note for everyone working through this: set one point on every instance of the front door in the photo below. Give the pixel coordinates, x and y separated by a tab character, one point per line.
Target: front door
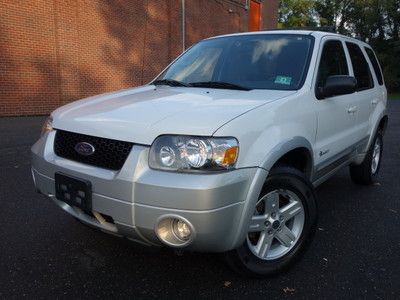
336	115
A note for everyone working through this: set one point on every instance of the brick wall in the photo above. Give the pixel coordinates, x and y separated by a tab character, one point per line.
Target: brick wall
56	51
269	14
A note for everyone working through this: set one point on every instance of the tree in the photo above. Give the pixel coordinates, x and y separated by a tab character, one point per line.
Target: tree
374	21
393	18
333	13
297	13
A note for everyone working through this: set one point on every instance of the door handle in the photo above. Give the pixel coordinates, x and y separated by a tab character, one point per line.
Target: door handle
374	102
352	110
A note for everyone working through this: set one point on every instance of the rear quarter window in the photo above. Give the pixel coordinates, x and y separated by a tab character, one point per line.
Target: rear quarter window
375	65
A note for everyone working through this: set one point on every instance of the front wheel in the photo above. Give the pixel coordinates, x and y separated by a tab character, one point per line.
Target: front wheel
281	226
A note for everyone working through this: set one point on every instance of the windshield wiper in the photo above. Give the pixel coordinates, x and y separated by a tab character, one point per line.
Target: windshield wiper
219	85
169	82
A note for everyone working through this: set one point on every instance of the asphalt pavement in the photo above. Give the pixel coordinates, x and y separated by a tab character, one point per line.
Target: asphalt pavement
45	253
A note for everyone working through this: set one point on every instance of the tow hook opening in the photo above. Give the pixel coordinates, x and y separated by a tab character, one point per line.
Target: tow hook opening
101	218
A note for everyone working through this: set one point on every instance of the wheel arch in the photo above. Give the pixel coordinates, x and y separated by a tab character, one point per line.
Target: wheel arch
383	124
295	152
274	156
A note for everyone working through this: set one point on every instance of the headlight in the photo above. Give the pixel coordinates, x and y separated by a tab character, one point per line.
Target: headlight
183	153
47	126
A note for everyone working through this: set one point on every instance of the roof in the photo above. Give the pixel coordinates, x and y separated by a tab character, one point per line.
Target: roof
315	33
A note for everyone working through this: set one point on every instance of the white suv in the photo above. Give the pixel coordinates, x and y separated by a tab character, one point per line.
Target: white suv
222	151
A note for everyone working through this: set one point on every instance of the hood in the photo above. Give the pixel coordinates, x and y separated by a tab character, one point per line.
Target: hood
141	114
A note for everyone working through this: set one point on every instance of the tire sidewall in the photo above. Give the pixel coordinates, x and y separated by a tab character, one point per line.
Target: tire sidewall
376	174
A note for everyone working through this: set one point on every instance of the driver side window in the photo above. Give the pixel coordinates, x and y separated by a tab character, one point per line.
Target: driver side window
333	62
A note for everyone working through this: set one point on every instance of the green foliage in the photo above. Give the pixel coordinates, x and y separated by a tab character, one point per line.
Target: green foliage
374	21
296	13
388	53
395	96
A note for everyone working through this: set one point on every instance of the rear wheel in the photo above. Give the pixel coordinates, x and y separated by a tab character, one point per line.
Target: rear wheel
367	172
281	226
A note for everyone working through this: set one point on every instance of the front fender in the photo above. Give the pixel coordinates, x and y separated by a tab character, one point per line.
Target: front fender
268	132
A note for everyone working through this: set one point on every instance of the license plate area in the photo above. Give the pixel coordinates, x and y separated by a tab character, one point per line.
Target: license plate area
74	191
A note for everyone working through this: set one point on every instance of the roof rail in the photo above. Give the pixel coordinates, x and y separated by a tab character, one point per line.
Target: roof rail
310	28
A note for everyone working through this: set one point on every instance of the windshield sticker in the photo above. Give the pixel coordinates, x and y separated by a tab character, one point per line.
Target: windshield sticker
286	80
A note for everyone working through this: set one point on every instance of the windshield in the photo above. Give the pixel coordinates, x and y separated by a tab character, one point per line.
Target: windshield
259	61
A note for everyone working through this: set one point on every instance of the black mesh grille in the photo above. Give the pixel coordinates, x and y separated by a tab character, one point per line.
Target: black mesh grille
108	154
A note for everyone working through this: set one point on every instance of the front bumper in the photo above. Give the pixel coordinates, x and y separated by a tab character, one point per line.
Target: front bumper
137	198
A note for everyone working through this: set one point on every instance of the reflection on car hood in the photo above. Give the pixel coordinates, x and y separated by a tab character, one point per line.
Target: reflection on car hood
141	114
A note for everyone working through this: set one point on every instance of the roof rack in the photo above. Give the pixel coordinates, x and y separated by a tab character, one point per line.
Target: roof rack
331	29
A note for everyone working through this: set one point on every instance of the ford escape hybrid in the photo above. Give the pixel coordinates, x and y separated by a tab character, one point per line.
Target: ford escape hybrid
222	151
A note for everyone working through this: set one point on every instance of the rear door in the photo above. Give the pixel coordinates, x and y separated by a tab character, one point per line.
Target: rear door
380	90
366	94
336	115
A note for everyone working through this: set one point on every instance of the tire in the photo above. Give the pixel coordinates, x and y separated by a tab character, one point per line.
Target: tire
367	172
285	186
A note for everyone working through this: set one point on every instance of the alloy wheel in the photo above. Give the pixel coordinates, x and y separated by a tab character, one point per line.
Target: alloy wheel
276	225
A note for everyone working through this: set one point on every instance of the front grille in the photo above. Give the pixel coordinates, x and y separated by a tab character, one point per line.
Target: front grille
108	154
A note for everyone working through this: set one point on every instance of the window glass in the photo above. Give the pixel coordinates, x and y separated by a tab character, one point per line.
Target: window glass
259	61
360	67
199	66
375	65
333	62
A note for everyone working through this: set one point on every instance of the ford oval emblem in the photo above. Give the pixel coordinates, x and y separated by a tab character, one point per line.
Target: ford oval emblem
84	148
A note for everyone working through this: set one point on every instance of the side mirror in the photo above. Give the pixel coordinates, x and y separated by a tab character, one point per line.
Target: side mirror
337	85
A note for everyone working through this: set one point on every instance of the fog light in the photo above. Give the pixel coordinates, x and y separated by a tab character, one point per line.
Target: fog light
181	229
175	231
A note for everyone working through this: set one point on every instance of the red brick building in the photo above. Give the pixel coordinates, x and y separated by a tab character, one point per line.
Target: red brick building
56	51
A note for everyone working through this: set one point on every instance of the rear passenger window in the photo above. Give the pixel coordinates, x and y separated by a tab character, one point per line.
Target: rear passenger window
360	67
333	62
375	65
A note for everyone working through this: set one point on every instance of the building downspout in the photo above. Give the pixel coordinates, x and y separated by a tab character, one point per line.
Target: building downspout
183	26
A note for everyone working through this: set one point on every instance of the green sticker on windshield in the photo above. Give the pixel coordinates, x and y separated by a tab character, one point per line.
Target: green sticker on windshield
283	80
